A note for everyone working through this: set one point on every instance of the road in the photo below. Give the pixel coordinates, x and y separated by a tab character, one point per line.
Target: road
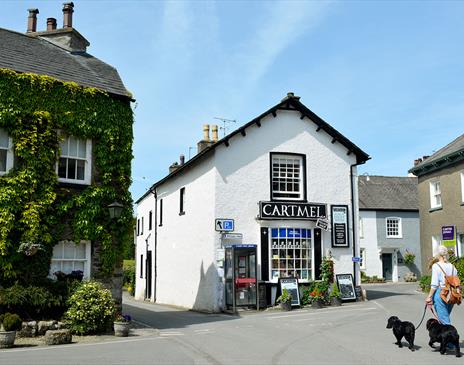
352	334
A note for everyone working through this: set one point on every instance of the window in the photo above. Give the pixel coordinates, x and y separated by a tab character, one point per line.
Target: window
161	213
181	199
361	228
291	253
138	227
6	152
68	256
74	165
435	194
141	266
436	241
462	186
287	173
394	228
150	218
362	265
141	227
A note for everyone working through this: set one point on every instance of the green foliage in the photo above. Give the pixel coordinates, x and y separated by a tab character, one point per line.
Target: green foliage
34	208
91	309
368	279
425	282
334	291
10	322
327	270
459	264
306	289
409	258
285	297
129	275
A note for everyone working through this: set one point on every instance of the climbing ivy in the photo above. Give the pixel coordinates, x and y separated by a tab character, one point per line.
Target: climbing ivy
34	208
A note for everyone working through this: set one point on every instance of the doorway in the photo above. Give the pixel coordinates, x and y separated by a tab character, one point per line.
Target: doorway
387	266
148	276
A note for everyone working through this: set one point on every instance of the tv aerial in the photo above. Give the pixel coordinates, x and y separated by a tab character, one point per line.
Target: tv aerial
224	124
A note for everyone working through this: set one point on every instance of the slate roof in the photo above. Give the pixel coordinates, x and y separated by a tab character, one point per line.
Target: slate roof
388	193
290	102
448	155
23	53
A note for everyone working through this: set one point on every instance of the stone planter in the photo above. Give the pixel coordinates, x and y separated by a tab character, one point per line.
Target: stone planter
335	302
121	329
286	306
58	337
318	303
7	339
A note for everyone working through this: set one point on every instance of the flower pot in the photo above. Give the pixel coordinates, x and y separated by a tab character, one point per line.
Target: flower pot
7	339
286	306
121	329
336	302
318	303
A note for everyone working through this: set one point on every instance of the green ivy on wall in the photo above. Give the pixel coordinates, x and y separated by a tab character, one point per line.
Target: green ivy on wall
34	207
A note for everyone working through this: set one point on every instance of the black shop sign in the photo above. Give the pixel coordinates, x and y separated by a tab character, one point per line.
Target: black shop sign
290	210
339	214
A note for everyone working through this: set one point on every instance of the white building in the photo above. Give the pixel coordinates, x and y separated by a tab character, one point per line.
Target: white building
274	177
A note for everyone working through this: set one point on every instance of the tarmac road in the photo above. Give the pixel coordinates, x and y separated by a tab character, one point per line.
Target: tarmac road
352	334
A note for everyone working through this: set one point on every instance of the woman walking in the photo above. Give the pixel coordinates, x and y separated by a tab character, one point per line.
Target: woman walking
439	269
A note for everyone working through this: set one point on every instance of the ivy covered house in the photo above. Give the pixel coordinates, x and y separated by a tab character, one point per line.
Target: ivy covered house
65	155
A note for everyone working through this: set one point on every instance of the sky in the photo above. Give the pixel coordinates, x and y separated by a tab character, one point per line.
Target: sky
389	75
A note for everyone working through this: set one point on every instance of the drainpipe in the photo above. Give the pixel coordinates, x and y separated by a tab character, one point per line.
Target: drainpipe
155	271
353	219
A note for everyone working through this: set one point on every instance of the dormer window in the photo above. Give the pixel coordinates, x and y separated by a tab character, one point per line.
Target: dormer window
75	161
6	152
287	176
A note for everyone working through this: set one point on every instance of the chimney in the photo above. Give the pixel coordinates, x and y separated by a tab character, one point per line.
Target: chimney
32	20
417	162
182	159
291	95
425	158
68	10
205	142
51	24
214	130
173	167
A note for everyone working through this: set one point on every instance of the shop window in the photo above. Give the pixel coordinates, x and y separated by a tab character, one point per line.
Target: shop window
435	195
6	152
291	253
150	219
394	229
181	201
68	257
287	174
75	163
161	212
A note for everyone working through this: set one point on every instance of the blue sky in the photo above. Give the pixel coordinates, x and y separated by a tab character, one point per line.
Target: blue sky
389	75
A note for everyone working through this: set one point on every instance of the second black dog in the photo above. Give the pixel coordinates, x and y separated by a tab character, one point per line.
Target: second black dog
444	334
402	329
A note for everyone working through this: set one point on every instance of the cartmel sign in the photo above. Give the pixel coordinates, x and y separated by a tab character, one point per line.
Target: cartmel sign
290	210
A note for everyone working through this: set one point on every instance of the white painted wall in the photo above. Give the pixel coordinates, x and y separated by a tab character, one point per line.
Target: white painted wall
373	264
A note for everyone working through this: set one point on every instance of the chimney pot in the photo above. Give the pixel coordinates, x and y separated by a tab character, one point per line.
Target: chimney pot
214	130
32	20
173	167
51	24
425	158
68	10
182	159
206	132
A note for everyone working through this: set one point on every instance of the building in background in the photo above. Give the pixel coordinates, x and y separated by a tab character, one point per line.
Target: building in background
441	199
388	226
263	186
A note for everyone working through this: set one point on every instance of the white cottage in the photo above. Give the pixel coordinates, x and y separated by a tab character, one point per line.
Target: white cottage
265	184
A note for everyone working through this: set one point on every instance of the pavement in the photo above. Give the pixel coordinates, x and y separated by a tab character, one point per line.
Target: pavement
352	334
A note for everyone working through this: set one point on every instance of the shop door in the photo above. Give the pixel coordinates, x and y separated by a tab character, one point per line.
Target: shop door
148	276
387	266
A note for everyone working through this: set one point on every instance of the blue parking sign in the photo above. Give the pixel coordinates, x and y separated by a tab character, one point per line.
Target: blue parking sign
224	225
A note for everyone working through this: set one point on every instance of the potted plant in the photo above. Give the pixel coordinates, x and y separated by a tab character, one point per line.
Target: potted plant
316	298
9	324
409	258
285	300
122	325
334	295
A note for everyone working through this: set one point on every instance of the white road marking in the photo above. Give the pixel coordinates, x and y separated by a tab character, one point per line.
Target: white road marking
165	334
200	331
380	306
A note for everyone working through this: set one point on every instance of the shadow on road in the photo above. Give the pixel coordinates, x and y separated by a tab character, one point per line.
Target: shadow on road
378	294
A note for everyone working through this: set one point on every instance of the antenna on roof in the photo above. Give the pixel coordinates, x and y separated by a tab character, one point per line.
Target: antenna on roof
224	121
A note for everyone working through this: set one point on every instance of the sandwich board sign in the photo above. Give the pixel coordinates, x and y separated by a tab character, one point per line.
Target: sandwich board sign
291	284
346	286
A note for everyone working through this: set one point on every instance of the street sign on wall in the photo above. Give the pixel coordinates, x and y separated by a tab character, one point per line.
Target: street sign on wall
224	225
448	236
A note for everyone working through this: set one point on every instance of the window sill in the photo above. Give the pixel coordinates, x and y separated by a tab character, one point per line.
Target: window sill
435	209
394	237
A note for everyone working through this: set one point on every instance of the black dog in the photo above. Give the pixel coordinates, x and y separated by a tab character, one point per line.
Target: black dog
401	329
444	334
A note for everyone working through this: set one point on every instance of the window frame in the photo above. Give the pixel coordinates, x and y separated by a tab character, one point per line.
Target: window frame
87	261
303	196
462	186
87	166
182	201
141	266
141	227
9	154
400	227
150	220
160	213
362	254
434	194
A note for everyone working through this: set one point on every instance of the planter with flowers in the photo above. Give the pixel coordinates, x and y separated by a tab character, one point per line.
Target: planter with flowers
334	296
316	298
122	325
285	300
9	324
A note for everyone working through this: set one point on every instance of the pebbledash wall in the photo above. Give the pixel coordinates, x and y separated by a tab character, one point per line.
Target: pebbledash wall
229	180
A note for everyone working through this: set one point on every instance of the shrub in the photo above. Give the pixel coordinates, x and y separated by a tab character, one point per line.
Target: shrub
334	291
285	297
91	309
459	263
10	322
129	275
409	258
327	270
306	290
424	283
